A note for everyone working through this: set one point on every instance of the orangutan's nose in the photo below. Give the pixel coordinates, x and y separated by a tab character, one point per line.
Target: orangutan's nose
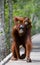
21	27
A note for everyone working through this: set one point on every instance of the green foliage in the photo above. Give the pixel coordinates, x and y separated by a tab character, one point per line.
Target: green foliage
24	8
28	8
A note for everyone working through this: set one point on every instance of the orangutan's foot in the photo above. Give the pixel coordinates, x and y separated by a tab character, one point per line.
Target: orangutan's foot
13	58
29	60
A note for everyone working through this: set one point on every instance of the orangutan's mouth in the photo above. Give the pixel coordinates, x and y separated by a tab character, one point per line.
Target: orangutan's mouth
21	31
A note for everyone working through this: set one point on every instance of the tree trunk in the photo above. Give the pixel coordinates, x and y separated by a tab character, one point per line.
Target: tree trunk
10	16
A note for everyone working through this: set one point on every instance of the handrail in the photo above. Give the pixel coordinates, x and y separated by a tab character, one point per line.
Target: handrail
5	60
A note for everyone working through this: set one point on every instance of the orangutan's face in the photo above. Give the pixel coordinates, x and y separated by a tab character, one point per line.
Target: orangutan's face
22	26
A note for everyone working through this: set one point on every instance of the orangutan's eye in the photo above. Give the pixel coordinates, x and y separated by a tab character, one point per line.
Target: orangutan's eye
18	22
26	23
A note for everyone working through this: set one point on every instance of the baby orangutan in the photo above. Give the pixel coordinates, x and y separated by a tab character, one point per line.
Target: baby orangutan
21	34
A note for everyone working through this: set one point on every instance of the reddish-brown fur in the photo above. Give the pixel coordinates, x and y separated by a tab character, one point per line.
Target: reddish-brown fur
24	40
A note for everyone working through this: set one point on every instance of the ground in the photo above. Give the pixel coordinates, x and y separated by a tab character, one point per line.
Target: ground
35	60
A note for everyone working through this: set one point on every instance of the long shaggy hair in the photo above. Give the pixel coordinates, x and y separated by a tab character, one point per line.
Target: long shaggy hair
21	34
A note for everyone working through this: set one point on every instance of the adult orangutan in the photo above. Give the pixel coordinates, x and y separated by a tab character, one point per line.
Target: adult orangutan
21	34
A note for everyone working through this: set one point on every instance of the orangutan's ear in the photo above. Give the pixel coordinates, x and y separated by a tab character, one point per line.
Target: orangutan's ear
29	21
15	19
